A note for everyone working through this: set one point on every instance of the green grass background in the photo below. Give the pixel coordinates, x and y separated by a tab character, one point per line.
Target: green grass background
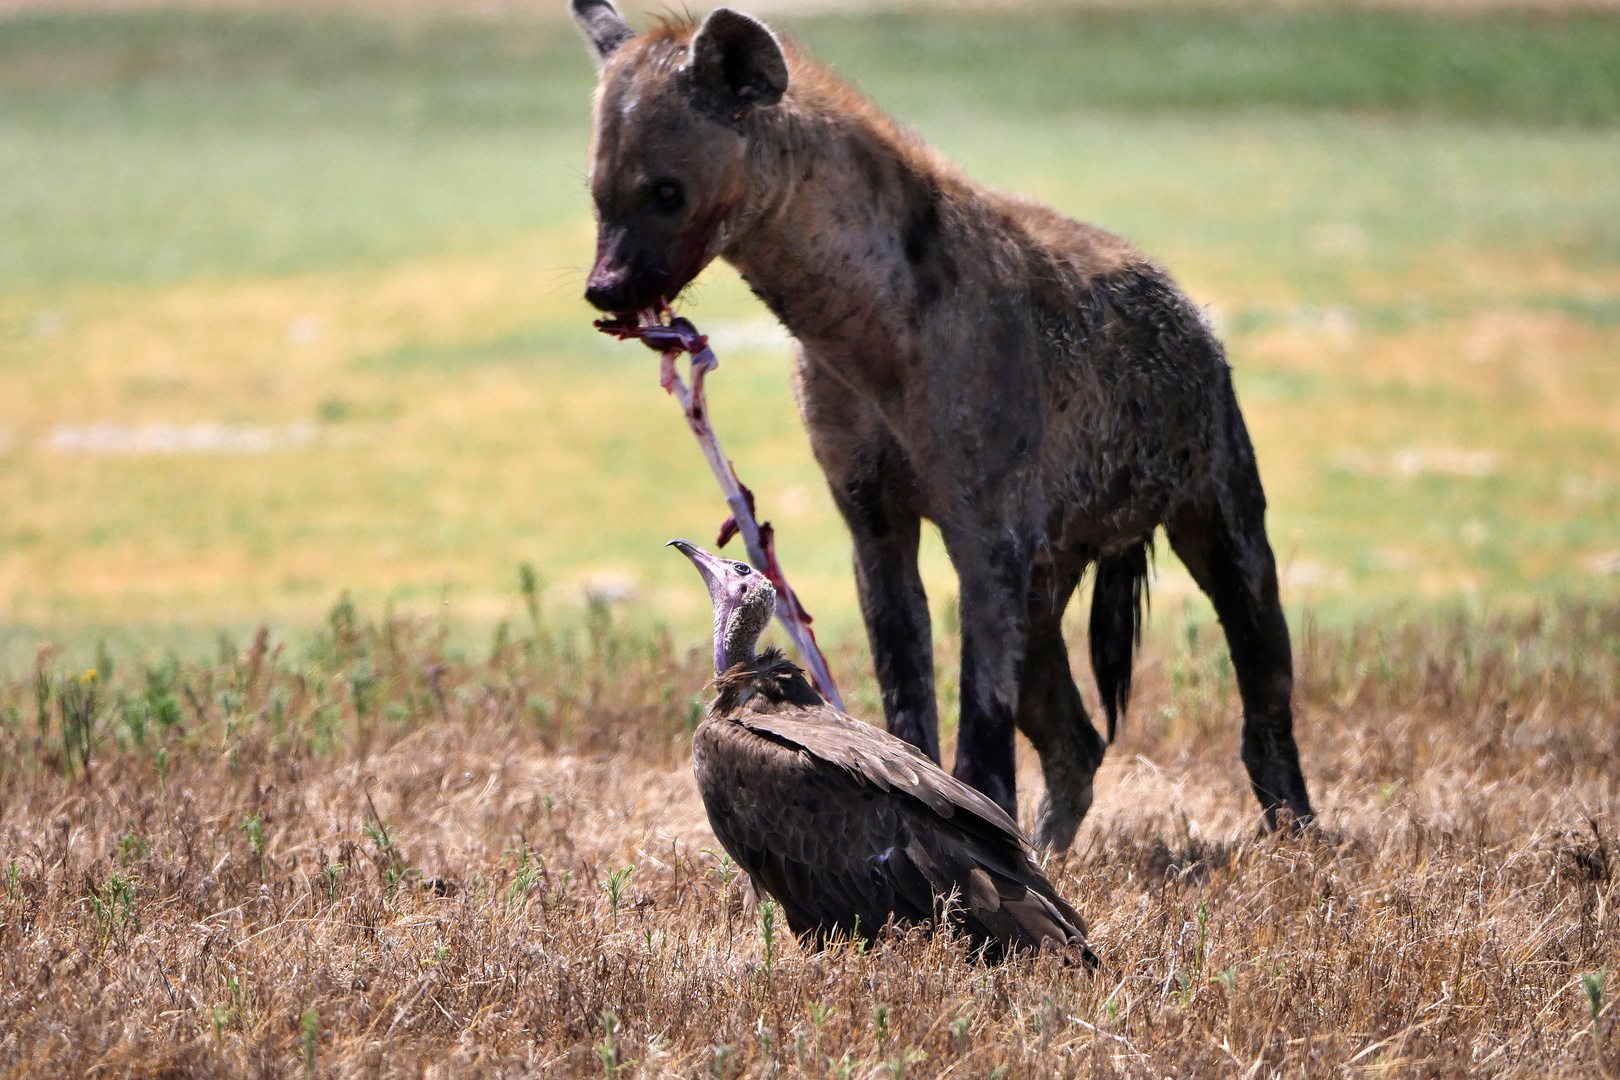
1408	226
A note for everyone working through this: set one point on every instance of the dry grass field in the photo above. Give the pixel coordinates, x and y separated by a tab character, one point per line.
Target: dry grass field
377	859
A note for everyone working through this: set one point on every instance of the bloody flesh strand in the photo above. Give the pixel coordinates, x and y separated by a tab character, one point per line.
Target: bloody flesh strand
671	338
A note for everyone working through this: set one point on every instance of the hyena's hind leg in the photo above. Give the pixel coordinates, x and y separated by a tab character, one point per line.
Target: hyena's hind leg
1050	712
1224	546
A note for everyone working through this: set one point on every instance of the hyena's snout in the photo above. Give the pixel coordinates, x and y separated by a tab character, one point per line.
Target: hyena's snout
626	278
608	289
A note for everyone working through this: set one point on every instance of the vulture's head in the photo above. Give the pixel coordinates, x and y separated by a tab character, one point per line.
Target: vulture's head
744	601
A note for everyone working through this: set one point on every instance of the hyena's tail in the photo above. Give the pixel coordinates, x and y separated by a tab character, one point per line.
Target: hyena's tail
1117	601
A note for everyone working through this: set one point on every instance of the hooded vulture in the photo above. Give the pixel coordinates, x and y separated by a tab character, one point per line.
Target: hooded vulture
844	825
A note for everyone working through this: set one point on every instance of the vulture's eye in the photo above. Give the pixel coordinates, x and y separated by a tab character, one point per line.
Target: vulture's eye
743	569
667	195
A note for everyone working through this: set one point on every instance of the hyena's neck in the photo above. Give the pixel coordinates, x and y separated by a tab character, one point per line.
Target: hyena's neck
844	238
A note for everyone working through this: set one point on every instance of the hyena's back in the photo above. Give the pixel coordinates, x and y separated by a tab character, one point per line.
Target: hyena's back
1036	342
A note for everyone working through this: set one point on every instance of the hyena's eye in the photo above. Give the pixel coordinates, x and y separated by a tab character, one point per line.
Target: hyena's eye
668	196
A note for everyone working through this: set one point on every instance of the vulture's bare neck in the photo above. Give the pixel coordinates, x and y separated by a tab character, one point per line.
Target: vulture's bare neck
737	631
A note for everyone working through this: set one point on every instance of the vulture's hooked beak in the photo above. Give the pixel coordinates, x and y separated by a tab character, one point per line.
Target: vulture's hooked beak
717	575
708	564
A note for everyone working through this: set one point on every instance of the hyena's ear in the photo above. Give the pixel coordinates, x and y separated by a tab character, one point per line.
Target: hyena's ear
740	59
603	27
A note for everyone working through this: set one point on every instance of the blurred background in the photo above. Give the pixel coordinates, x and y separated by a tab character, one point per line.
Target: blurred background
290	302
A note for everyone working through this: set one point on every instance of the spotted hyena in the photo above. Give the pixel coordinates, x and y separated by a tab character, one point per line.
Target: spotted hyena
1034	386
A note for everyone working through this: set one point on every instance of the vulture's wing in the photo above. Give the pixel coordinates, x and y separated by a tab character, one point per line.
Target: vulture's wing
858	821
808	832
877	757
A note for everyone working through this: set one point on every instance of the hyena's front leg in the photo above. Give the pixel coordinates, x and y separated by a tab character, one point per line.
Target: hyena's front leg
895	608
993	565
876	491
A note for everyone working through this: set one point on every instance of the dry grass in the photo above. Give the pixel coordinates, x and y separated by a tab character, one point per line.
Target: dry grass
377	859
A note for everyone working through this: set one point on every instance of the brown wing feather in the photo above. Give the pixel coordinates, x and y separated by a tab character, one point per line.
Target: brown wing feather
880	758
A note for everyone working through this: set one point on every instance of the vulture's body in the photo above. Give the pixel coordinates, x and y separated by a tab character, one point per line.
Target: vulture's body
848	827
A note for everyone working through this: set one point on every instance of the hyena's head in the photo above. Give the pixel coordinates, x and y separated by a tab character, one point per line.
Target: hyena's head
669	146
